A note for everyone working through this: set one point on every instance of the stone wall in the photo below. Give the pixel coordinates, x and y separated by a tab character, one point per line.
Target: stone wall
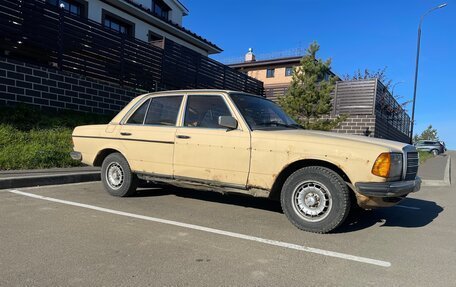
52	89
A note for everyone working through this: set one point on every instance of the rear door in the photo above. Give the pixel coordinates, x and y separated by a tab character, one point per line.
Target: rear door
148	135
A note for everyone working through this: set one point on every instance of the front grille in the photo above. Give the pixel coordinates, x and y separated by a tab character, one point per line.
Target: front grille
412	165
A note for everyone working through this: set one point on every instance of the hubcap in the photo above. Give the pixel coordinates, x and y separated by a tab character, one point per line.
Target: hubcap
114	175
312	201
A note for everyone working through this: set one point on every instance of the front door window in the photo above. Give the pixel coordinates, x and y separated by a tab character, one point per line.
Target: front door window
204	111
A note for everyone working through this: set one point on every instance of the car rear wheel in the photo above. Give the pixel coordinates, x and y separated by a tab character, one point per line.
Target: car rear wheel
315	199
435	152
116	175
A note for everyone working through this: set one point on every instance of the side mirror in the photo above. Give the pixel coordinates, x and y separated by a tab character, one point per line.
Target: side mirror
228	122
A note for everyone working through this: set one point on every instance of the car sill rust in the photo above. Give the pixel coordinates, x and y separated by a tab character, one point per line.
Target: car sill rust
206	185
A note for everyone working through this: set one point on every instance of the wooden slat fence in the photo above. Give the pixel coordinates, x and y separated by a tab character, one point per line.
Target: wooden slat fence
45	34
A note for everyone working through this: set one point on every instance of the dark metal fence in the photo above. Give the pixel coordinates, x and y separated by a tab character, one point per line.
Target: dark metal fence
45	34
370	97
388	109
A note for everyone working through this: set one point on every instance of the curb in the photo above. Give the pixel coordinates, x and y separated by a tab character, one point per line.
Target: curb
29	181
446	182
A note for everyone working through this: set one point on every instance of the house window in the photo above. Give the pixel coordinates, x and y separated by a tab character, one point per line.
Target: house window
288	71
156	39
160	8
270	73
117	24
75	7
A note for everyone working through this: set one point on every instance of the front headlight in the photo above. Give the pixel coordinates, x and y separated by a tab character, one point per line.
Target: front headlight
388	165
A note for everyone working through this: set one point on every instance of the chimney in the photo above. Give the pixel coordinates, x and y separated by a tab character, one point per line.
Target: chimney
249	56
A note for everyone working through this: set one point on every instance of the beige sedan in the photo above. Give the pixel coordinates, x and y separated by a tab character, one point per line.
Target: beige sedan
235	142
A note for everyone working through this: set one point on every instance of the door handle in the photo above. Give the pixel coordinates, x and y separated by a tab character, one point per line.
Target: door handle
125	134
182	137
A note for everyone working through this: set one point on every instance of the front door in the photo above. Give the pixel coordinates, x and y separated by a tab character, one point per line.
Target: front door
205	151
149	134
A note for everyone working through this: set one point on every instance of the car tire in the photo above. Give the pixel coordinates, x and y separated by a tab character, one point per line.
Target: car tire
315	199
117	177
435	152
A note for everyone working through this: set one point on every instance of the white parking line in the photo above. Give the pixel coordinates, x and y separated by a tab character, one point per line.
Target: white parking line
212	230
408	207
58	185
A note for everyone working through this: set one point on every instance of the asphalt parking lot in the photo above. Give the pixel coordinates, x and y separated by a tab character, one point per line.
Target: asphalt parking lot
77	234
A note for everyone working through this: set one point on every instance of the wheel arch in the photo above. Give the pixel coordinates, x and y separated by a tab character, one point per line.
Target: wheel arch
292	167
102	154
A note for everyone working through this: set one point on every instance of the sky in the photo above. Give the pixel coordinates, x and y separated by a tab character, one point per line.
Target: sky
355	34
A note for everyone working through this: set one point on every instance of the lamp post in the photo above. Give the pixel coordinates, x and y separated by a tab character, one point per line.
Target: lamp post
412	122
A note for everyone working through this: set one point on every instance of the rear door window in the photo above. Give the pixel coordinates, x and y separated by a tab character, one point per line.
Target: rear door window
163	110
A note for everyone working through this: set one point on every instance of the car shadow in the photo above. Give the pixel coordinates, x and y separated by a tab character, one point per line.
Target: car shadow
211	196
410	213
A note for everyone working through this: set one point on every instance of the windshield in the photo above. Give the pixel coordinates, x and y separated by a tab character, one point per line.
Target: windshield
261	113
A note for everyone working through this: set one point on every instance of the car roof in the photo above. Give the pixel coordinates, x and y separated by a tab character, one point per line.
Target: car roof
203	91
432	141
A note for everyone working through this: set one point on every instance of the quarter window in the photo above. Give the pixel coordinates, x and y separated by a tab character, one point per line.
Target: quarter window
204	111
270	73
138	116
163	111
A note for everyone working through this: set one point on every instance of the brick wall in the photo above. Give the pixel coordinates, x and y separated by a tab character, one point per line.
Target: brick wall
378	127
52	89
357	125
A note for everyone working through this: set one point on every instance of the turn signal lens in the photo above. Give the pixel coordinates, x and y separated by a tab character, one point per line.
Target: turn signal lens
382	165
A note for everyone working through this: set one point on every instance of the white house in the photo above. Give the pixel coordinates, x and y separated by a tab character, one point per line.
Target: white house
147	20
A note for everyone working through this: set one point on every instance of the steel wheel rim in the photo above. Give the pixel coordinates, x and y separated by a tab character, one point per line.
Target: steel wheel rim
115	175
312	200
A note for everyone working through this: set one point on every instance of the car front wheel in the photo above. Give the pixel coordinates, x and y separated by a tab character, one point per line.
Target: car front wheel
116	175
315	199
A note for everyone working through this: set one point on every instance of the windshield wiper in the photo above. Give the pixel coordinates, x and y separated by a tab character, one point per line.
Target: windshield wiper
279	124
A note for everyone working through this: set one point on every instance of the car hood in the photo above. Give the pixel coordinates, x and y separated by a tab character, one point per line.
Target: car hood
331	138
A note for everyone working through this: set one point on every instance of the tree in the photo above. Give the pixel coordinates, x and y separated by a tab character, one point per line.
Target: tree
428	134
380	74
309	95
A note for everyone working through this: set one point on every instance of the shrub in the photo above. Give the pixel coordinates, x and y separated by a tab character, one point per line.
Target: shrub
30	138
